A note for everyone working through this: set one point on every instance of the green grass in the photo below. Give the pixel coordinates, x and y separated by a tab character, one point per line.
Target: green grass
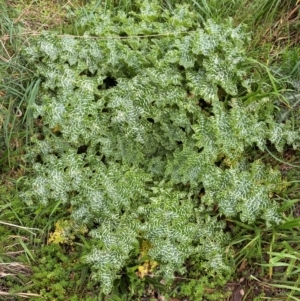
268	258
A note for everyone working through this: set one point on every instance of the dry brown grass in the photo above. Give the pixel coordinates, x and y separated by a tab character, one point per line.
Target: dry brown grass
285	31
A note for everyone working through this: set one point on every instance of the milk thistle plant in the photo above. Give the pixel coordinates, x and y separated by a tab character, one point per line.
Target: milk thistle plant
145	134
